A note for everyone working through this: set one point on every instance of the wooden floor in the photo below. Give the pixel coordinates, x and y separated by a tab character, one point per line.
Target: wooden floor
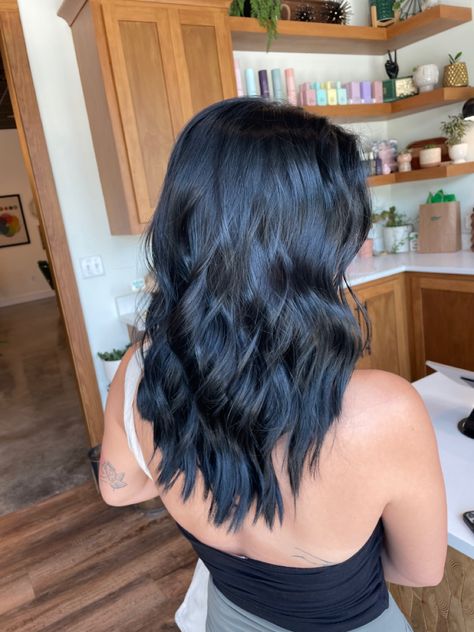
43	441
73	564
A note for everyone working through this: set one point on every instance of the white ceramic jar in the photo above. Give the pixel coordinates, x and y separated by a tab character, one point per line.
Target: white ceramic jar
458	153
426	77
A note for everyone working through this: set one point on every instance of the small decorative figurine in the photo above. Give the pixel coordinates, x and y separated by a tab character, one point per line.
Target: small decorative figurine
391	65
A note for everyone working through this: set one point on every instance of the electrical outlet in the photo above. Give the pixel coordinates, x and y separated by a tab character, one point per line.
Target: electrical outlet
91	266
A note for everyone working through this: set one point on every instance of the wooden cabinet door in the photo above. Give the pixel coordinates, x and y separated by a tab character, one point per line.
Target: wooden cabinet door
443	320
204	57
147	87
384	301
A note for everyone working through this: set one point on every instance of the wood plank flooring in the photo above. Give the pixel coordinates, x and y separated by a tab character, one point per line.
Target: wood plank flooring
73	564
43	440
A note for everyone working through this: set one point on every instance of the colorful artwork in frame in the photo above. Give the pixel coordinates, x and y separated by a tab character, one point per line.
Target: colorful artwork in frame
13	230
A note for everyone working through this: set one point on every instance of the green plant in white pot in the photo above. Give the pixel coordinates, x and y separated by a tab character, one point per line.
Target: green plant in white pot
376	232
454	129
396	232
111	361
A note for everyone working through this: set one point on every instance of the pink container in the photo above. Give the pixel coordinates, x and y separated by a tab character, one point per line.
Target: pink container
367	249
377	92
353	92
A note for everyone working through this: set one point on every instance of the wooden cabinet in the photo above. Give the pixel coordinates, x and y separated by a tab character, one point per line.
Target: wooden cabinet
385	303
146	67
442	320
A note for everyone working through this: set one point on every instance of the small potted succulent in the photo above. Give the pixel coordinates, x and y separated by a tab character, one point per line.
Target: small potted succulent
111	361
454	129
404	160
376	232
455	73
430	156
396	232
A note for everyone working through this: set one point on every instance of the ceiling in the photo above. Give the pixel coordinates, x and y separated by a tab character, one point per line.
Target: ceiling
7	120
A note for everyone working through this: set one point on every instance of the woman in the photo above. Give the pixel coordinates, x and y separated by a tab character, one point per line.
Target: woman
301	482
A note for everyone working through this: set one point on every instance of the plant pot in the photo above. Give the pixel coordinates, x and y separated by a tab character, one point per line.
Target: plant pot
110	369
376	234
396	239
426	77
455	75
458	153
404	162
430	157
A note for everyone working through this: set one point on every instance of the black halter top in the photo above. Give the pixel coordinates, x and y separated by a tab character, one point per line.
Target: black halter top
335	598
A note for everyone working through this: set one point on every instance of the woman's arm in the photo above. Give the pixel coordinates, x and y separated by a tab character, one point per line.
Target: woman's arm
415	518
121	480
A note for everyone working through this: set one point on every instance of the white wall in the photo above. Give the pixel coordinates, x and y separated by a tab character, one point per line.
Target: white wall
66	127
20	278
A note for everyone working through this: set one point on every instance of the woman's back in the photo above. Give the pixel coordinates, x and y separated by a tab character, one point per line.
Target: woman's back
262	439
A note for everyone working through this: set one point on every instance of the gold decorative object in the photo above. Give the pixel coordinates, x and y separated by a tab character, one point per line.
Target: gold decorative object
455	75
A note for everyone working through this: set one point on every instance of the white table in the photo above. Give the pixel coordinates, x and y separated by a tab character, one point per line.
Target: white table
447	403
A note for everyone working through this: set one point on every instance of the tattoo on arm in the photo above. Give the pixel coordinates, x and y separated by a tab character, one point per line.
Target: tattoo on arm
108	474
309	557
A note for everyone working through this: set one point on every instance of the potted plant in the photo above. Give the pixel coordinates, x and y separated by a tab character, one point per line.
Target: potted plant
111	361
455	74
267	13
396	231
404	160
454	129
430	156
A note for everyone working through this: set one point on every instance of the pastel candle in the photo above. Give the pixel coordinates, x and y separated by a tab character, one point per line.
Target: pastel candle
341	94
238	79
290	86
353	91
250	83
277	84
310	97
377	92
263	81
321	95
366	91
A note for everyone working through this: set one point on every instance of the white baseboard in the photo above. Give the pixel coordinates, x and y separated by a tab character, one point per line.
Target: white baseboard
26	298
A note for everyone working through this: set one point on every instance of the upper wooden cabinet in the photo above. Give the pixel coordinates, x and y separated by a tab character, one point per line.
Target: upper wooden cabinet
385	303
146	67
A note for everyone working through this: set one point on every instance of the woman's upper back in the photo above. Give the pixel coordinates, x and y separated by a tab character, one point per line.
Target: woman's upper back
379	448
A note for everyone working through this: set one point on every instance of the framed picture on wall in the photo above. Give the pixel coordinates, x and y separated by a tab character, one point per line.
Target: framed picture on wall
13	230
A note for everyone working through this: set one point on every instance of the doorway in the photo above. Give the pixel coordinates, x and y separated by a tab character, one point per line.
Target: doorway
44	349
43	443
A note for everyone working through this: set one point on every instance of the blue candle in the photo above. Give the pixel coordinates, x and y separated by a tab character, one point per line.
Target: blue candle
250	83
277	85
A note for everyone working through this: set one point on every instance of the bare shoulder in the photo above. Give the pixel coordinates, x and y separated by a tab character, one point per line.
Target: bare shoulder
388	409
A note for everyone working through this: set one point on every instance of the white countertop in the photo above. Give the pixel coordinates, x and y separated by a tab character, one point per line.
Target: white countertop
447	403
372	268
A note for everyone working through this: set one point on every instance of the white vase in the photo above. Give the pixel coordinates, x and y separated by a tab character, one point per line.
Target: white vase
110	369
396	239
426	77
430	157
376	233
458	153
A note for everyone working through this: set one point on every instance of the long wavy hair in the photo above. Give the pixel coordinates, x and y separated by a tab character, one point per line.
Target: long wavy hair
249	339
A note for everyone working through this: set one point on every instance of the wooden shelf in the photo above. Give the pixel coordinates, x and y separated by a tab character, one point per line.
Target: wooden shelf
445	170
311	37
382	111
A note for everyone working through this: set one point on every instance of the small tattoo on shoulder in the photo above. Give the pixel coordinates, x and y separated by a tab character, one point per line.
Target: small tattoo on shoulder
109	475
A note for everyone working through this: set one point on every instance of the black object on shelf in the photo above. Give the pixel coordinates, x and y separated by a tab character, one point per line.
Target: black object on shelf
466	425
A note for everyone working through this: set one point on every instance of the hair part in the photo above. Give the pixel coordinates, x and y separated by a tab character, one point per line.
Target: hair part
249	339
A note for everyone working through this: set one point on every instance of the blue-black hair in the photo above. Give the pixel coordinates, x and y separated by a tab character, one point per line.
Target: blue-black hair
249	339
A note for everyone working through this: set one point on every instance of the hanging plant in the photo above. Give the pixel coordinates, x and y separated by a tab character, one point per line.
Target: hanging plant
267	13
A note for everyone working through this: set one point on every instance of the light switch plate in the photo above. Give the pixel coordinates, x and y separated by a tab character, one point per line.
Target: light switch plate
91	266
